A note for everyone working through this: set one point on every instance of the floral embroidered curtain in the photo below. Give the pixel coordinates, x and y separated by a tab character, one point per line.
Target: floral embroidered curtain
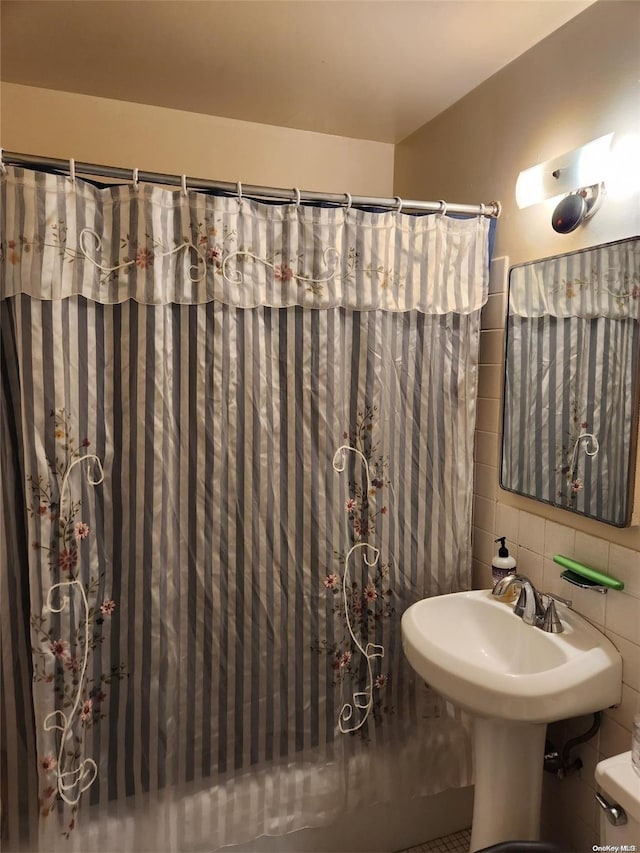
158	247
572	338
236	444
597	283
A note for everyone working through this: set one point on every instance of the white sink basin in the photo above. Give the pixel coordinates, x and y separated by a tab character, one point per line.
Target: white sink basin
472	648
514	678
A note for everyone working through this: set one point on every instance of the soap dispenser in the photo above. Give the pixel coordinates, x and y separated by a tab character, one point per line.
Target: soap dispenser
503	564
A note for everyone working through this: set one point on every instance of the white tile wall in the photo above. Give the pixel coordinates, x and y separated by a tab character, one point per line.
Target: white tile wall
630	658
484	512
530	531
558	540
494	312
488	414
623	564
485	481
486	448
490	381
535	534
491	346
507	522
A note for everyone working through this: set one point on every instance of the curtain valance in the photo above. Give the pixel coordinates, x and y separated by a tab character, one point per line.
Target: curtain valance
61	238
601	282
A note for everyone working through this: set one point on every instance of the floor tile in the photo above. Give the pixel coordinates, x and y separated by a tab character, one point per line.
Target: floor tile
458	842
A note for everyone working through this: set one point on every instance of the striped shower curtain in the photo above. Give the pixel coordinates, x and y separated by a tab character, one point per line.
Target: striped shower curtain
570	389
236	443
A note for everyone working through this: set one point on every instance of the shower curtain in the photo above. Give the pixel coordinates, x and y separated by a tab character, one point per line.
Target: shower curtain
573	335
236	443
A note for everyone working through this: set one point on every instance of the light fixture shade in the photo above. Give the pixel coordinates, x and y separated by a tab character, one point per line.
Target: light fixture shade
582	167
576	207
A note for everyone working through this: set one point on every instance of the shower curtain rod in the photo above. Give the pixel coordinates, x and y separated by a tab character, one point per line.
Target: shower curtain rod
73	167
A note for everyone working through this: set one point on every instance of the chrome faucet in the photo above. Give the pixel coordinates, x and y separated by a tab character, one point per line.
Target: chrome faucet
530	606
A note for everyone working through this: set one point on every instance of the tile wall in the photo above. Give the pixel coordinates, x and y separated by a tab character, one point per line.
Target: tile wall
535	533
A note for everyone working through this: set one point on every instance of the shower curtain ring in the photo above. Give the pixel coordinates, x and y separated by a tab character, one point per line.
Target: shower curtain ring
349	201
72	171
482	209
443	207
399	204
136	179
3	168
239	191
183	182
296	197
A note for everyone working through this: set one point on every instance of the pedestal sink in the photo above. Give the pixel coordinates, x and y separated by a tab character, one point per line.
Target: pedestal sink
514	679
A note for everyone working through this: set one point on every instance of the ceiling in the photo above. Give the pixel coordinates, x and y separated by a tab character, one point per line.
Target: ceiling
370	69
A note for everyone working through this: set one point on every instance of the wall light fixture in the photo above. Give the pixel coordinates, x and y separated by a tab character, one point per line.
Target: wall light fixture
577	175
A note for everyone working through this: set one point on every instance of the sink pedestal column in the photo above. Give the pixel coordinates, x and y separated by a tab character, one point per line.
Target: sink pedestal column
508	766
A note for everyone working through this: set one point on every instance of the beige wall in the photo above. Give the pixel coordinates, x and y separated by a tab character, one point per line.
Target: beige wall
118	133
579	83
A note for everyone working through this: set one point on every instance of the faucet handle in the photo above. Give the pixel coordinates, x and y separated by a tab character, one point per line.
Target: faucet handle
553	597
551	622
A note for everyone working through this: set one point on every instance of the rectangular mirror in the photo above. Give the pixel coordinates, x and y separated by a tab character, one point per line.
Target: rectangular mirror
570	413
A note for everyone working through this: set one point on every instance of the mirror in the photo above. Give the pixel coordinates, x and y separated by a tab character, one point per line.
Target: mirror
570	406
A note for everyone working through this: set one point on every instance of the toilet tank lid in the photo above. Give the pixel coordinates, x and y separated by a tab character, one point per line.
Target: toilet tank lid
620	782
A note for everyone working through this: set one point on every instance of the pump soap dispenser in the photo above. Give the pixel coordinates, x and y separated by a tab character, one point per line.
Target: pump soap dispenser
502	564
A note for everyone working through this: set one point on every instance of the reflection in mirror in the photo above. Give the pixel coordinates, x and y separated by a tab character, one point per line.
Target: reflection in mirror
570	414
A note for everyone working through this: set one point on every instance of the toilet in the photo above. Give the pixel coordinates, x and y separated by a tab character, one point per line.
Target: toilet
620	798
